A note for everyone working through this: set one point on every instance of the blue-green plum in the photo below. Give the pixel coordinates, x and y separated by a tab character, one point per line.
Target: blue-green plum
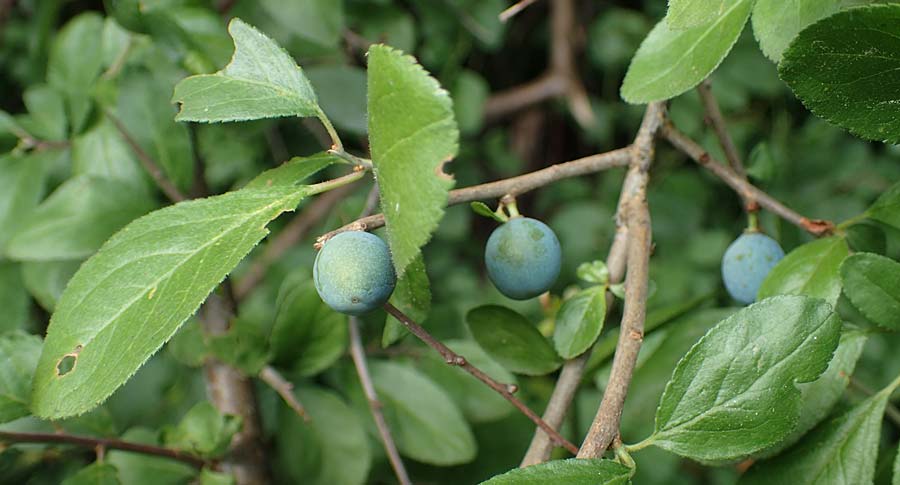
746	264
523	258
353	272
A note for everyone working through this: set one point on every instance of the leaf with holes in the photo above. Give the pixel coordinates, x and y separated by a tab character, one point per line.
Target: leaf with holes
412	133
872	284
134	293
812	269
669	62
737	385
853	84
19	354
570	472
261	81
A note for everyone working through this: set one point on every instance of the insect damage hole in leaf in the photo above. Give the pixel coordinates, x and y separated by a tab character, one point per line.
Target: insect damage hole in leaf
67	363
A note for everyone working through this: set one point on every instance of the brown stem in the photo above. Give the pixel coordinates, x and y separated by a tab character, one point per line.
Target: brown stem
148	163
103	443
284	388
679	140
375	406
452	358
636	217
513	186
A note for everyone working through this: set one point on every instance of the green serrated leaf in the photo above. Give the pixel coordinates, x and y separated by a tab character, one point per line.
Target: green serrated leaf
851	84
102	152
412	133
292	172
776	22
669	62
579	322
261	81
887	208
570	472
19	354
77	218
134	293
95	474
22	182
203	430
737	384
482	209
684	14
308	335
841	451
413	297
426	423
812	269
872	284
76	58
511	340
478	402
329	458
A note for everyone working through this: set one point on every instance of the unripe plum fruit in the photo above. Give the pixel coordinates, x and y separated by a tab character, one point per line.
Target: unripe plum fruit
523	258
746	264
353	272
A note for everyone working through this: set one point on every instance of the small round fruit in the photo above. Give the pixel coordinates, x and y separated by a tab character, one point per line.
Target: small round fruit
746	264
523	258
353	273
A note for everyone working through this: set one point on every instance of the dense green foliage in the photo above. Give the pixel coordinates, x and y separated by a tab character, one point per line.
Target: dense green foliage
149	153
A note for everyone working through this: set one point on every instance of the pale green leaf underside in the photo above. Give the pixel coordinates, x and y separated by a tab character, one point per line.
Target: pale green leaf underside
570	472
812	269
872	284
841	451
736	386
412	133
134	293
777	22
684	14
845	69
261	81
669	62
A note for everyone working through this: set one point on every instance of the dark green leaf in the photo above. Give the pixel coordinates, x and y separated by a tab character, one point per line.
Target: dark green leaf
669	62
812	269
203	430
867	237
308	336
737	385
47	280
188	345
851	84
569	472
470	92
140	469
102	152
412	133
511	340
426	423
841	451
21	188
342	94
327	457
872	284
579	322
887	208
19	354
76	59
131	297
95	474
244	347
413	297
261	81
776	22
75	220
13	297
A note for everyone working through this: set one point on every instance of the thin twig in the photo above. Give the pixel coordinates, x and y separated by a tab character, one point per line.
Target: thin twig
452	358
148	163
513	185
514	9
636	215
106	443
717	121
816	227
375	406
285	389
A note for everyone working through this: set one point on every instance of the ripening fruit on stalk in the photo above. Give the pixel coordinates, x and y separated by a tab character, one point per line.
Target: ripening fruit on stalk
523	258
353	272
746	264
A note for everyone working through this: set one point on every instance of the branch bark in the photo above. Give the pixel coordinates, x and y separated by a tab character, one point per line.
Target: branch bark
816	227
284	388
512	186
605	427
365	378
452	358
103	443
148	162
